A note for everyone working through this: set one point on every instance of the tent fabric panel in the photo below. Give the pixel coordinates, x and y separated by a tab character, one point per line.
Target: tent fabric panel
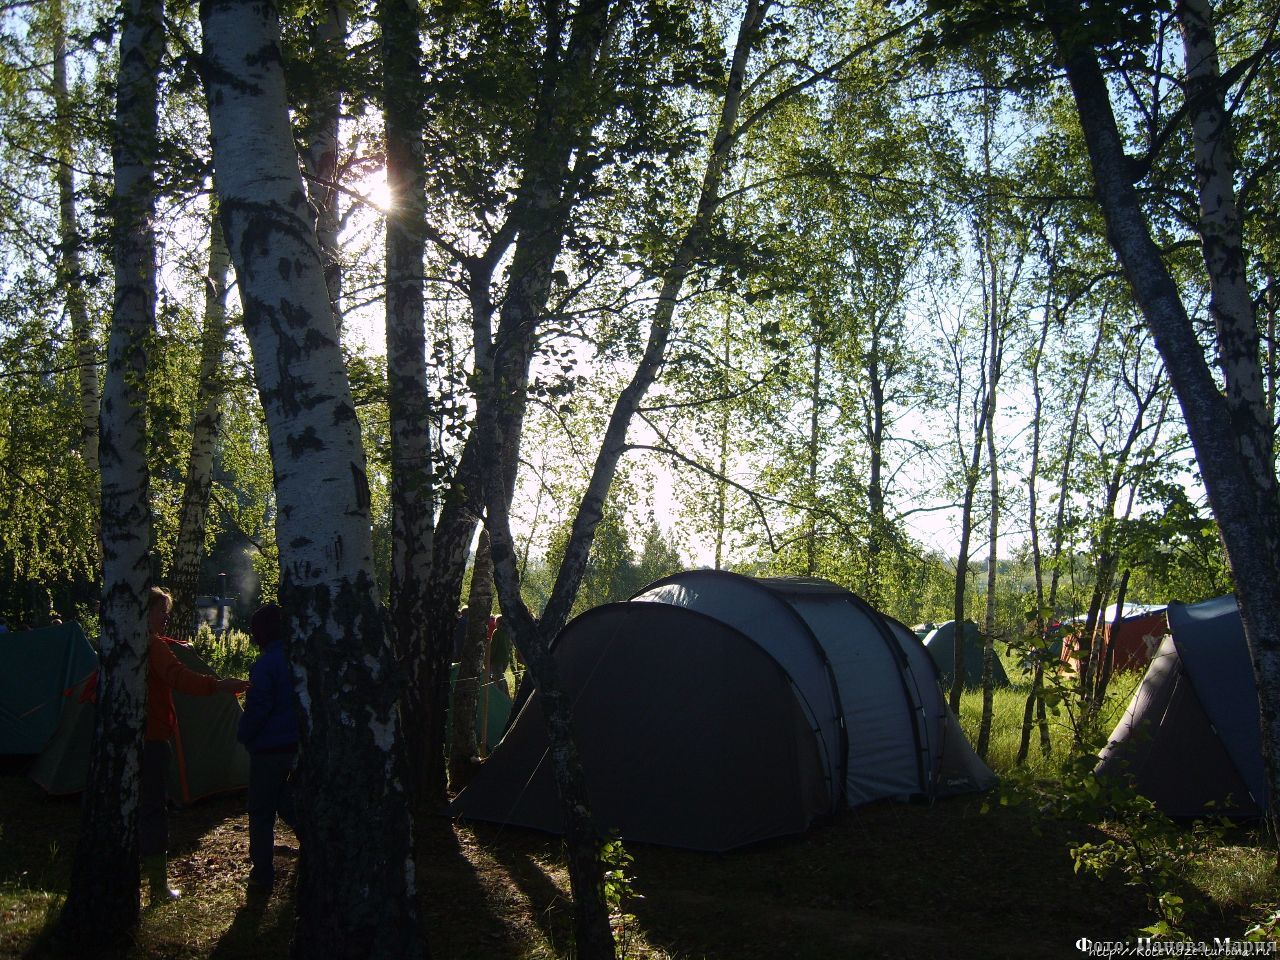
63	765
883	757
933	738
211	760
1136	639
920	679
495	720
771	622
941	646
960	769
1210	640
954	766
689	736
39	666
1166	744
207	757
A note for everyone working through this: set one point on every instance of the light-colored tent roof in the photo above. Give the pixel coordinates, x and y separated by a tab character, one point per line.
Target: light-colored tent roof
1130	610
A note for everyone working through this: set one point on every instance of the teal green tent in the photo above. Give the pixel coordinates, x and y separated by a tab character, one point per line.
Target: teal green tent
207	759
941	644
499	709
37	667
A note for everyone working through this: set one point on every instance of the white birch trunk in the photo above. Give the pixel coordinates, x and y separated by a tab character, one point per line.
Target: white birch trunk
1230	297
103	900
466	738
320	155
989	620
412	488
357	893
69	274
188	552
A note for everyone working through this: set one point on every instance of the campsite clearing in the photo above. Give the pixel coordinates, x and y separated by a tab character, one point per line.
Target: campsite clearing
885	880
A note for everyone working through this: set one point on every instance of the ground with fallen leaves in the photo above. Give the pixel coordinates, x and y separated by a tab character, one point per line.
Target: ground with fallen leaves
888	880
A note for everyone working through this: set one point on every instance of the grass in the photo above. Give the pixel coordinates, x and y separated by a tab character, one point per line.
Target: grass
963	878
1006	726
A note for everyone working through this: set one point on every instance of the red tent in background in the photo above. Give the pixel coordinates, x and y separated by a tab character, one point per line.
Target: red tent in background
1135	638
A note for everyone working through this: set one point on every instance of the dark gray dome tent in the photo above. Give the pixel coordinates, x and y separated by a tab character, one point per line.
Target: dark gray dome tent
714	710
941	644
1191	734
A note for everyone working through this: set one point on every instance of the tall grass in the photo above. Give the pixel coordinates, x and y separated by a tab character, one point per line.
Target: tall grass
229	654
1008	704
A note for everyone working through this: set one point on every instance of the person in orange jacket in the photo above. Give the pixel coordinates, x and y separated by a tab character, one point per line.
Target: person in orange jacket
165	673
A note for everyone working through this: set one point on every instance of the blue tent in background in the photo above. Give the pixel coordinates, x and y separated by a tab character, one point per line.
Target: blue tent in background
37	668
941	644
1191	735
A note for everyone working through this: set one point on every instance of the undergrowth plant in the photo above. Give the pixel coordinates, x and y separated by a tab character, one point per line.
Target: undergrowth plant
1148	850
230	654
619	892
1143	846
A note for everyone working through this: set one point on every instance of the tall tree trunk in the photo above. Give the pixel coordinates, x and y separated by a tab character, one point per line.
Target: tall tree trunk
320	153
188	553
961	581
465	742
989	623
1232	465
1109	657
1091	649
429	705
412	485
595	939
1068	464
357	894
1087	643
539	219
722	458
103	899
1230	298
813	452
997	315
1036	647
70	278
879	523
502	363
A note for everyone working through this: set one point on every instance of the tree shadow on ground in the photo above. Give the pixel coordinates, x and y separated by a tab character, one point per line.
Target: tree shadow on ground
258	930
887	880
508	870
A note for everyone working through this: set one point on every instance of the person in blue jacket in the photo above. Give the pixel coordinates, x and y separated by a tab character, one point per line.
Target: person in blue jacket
269	731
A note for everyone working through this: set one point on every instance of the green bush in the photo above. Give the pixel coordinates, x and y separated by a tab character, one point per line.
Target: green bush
229	654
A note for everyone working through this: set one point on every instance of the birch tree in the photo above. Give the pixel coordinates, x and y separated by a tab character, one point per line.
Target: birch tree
103	899
1237	464
321	137
188	552
472	681
71	277
357	892
412	481
507	372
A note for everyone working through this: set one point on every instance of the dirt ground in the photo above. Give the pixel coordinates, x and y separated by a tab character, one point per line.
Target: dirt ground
888	880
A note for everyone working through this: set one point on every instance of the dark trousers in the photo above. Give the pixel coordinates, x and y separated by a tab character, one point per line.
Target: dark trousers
270	793
153	814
